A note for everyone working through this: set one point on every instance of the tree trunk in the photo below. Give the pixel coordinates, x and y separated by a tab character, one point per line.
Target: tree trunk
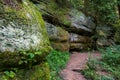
86	7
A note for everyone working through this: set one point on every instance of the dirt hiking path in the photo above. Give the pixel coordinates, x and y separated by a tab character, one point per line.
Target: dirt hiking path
77	62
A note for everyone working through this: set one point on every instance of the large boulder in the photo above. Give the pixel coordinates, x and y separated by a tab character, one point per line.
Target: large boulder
23	36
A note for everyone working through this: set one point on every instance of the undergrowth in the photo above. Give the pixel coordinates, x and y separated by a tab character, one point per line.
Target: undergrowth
107	68
57	61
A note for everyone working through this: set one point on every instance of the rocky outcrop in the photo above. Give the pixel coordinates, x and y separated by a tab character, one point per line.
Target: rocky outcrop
59	37
76	22
74	31
24	42
21	34
64	14
73	21
81	24
64	41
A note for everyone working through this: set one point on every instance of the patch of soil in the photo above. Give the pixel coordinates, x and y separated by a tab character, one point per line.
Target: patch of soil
77	62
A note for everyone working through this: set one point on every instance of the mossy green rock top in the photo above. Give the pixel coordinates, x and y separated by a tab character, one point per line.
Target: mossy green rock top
22	32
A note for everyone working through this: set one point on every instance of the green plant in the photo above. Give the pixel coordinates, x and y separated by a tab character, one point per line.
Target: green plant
111	55
57	61
103	11
106	78
109	64
90	74
111	58
117	31
36	72
7	75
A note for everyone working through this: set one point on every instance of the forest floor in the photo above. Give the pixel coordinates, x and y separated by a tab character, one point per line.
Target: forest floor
77	62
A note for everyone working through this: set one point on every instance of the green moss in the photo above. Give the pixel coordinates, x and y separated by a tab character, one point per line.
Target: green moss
61	46
41	72
37	18
20	59
38	72
117	37
57	11
27	15
117	31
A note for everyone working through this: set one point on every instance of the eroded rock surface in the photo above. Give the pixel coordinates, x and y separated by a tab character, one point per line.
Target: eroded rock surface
22	33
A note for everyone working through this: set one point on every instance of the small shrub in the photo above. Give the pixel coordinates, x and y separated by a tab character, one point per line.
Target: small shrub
117	31
90	74
106	78
109	63
111	55
57	61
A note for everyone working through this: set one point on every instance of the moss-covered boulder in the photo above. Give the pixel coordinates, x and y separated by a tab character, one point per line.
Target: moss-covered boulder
71	19
23	36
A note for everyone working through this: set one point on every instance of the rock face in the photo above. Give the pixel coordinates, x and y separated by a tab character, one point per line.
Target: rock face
72	20
21	33
59	37
78	42
68	29
23	40
15	37
74	31
64	41
82	24
57	34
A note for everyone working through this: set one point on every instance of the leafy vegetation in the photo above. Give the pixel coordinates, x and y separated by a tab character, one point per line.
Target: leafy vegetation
57	61
117	31
36	72
109	65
